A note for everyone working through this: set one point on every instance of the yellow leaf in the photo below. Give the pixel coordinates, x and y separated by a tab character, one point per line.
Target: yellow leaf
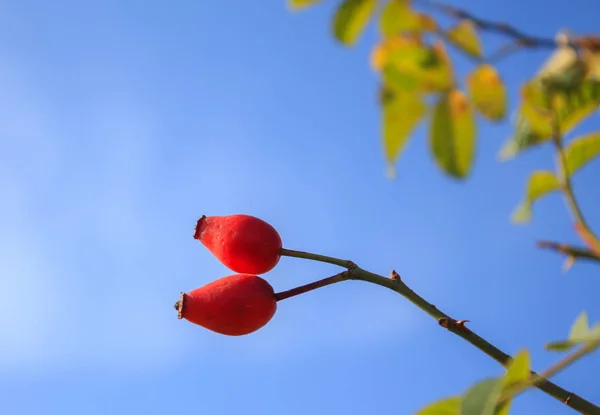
488	92
439	77
402	112
519	369
403	45
398	16
582	150
408	65
464	35
301	4
453	133
351	18
541	183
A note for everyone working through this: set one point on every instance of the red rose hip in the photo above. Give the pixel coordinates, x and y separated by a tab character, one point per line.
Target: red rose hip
242	243
235	305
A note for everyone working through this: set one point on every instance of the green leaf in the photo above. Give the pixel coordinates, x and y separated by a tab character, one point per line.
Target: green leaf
519	369
581	151
534	120
563	70
482	398
580	333
541	183
402	112
524	137
571	106
488	92
560	346
448	406
398	16
452	134
301	4
464	35
351	18
407	64
580	330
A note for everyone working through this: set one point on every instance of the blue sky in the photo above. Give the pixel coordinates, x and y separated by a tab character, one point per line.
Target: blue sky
122	122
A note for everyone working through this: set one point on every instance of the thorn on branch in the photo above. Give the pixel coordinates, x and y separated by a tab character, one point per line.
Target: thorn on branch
395	276
454	325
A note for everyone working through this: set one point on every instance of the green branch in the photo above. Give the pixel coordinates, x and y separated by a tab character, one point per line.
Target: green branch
320	258
567	185
395	283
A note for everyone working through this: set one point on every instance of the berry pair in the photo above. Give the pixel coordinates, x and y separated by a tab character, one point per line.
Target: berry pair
242	303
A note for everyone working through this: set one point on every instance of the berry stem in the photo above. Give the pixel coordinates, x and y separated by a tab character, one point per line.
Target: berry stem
356	273
317	257
312	286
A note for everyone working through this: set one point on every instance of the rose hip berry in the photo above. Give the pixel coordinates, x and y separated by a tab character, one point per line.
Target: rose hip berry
235	305
242	243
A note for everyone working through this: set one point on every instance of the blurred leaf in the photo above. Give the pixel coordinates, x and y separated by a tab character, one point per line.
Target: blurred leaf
437	73
398	16
401	114
581	151
453	133
581	328
482	398
524	137
560	346
536	108
563	70
580	333
301	4
503	408
565	345
541	183
488	92
534	120
464	35
448	406
407	64
519	369
351	18
406	46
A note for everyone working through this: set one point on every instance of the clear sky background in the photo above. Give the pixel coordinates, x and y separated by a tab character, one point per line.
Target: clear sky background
121	122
